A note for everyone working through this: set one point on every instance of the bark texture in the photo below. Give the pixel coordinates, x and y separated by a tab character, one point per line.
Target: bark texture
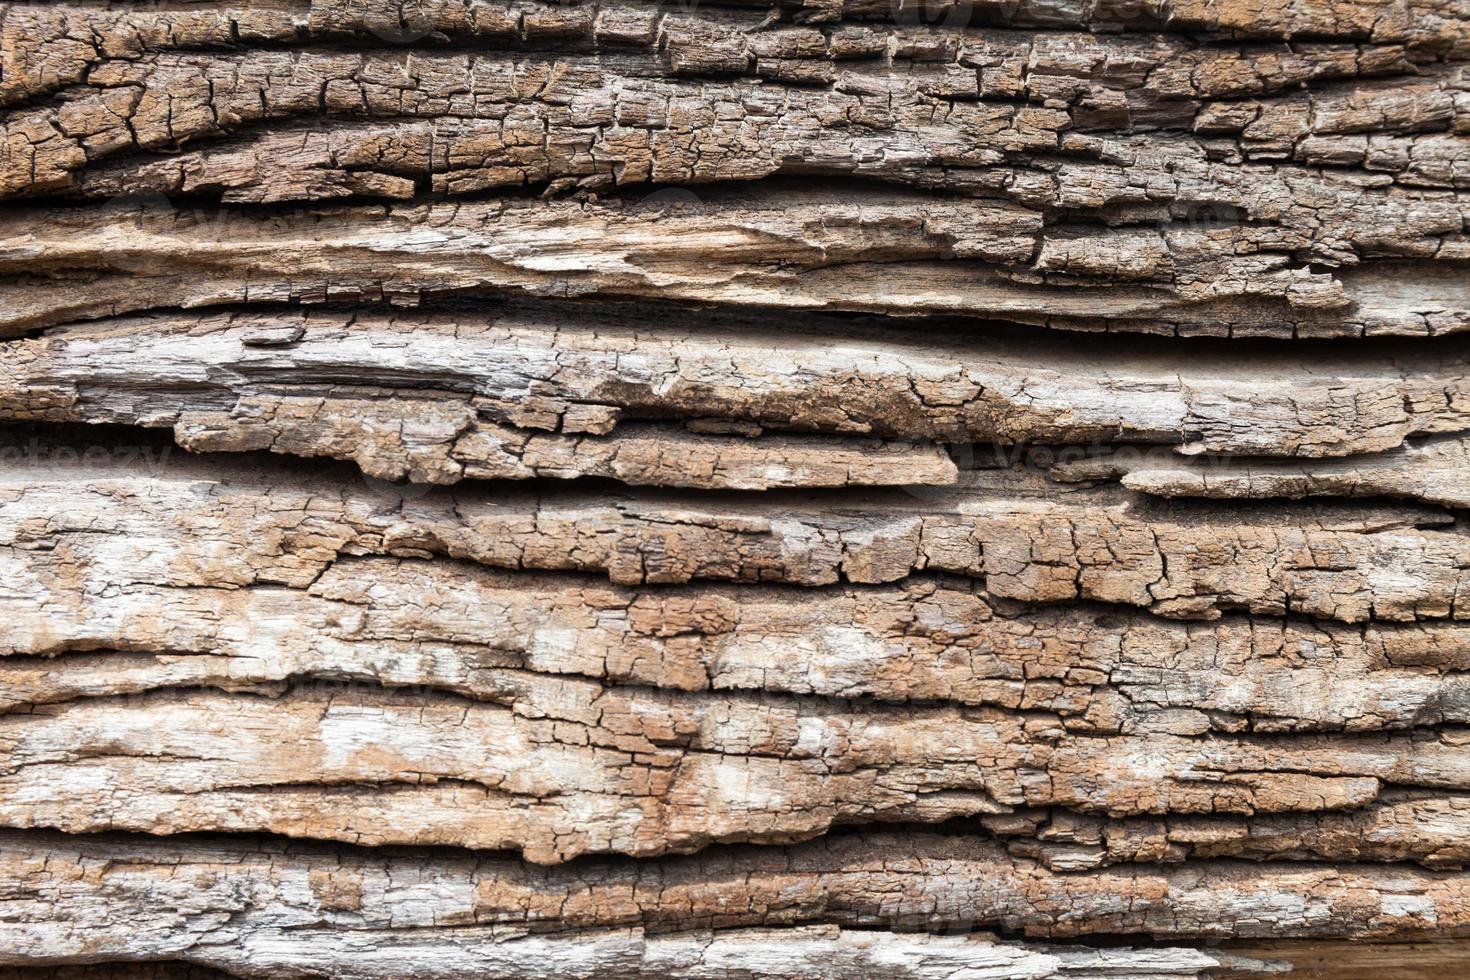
749	489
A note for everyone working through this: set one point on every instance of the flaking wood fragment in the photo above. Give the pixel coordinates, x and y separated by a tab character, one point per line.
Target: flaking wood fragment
1435	471
443	440
1117	181
1118	211
1402	825
415	693
480	122
1101	81
1108	80
51	44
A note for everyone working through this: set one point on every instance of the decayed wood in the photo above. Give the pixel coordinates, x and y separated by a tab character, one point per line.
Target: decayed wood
581	122
658	75
557	768
514	488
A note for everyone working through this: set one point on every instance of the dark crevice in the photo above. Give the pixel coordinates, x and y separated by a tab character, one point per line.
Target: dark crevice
119	970
954	334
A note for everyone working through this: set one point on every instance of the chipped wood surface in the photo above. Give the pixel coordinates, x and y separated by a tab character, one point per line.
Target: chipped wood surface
814	489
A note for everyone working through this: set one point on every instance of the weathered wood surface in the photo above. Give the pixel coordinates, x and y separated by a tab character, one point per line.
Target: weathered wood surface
824	489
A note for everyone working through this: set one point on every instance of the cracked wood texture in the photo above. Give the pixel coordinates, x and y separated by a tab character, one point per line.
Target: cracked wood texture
964	489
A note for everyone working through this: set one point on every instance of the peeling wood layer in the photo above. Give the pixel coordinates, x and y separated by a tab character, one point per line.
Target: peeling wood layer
433	625
782	246
817	952
227	524
1434	471
556	768
101	894
519	392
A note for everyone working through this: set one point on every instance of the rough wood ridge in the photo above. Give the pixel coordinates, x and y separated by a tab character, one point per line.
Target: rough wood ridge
799	489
